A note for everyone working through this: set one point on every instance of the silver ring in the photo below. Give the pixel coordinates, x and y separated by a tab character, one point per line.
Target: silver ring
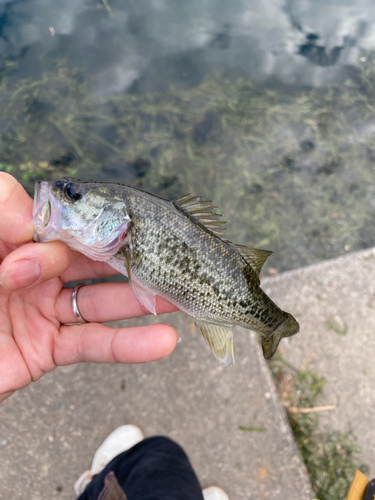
77	314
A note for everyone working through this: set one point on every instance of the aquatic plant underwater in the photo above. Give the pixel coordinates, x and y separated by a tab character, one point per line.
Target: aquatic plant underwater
291	168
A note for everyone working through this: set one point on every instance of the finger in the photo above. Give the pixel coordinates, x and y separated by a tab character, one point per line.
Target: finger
95	343
5	395
14	373
5	250
105	302
86	269
16	209
35	263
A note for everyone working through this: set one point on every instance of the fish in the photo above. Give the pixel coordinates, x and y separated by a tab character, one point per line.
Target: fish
176	249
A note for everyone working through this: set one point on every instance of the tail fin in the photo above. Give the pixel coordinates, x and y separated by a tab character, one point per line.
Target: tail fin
287	328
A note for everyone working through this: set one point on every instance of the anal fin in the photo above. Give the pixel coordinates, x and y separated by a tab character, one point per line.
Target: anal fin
220	339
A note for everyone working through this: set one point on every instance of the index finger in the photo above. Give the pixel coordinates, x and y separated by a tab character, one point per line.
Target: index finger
16	208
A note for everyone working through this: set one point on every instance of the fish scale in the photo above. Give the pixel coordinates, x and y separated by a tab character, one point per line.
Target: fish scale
173	249
211	284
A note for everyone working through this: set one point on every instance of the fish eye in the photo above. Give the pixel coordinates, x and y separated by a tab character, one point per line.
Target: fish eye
71	193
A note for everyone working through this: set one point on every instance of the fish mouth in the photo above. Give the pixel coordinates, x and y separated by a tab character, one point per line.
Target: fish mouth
42	209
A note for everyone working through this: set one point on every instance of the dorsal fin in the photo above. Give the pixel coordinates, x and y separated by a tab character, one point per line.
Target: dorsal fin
203	211
253	256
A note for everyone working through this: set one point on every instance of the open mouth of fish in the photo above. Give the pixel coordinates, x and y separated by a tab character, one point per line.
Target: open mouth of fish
49	224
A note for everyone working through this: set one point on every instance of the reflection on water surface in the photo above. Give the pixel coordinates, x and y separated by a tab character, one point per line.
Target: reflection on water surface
268	108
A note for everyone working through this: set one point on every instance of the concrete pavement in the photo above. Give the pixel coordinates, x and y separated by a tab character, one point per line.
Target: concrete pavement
50	430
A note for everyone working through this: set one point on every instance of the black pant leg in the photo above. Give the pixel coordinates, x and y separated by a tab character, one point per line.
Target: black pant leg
155	469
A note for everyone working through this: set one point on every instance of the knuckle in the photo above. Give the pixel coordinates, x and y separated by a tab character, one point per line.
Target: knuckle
81	346
115	353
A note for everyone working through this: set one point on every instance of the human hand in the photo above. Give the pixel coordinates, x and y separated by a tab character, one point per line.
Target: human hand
35	307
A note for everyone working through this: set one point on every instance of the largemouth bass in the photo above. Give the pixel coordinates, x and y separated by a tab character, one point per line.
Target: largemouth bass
174	249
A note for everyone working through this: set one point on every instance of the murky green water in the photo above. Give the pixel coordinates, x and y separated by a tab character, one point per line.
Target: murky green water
266	108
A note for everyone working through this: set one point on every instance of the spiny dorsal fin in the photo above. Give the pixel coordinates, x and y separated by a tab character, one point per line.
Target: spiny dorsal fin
220	339
203	211
253	256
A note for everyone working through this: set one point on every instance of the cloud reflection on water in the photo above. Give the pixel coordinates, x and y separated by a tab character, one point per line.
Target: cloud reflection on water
165	42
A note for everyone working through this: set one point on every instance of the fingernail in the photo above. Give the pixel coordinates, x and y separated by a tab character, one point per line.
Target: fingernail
20	274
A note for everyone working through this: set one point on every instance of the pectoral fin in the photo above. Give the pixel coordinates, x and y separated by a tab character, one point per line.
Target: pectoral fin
146	297
127	256
220	339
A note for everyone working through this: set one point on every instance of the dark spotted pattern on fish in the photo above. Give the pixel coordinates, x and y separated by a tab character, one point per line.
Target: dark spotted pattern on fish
195	269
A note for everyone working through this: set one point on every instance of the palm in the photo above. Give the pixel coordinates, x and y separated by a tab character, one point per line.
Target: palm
35	335
29	325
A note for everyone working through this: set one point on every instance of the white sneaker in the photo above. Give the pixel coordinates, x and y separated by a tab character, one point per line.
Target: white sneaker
214	493
120	440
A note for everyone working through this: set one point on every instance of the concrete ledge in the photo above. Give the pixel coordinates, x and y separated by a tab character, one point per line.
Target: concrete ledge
334	301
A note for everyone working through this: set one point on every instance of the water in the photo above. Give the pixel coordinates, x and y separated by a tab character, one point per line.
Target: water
267	108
